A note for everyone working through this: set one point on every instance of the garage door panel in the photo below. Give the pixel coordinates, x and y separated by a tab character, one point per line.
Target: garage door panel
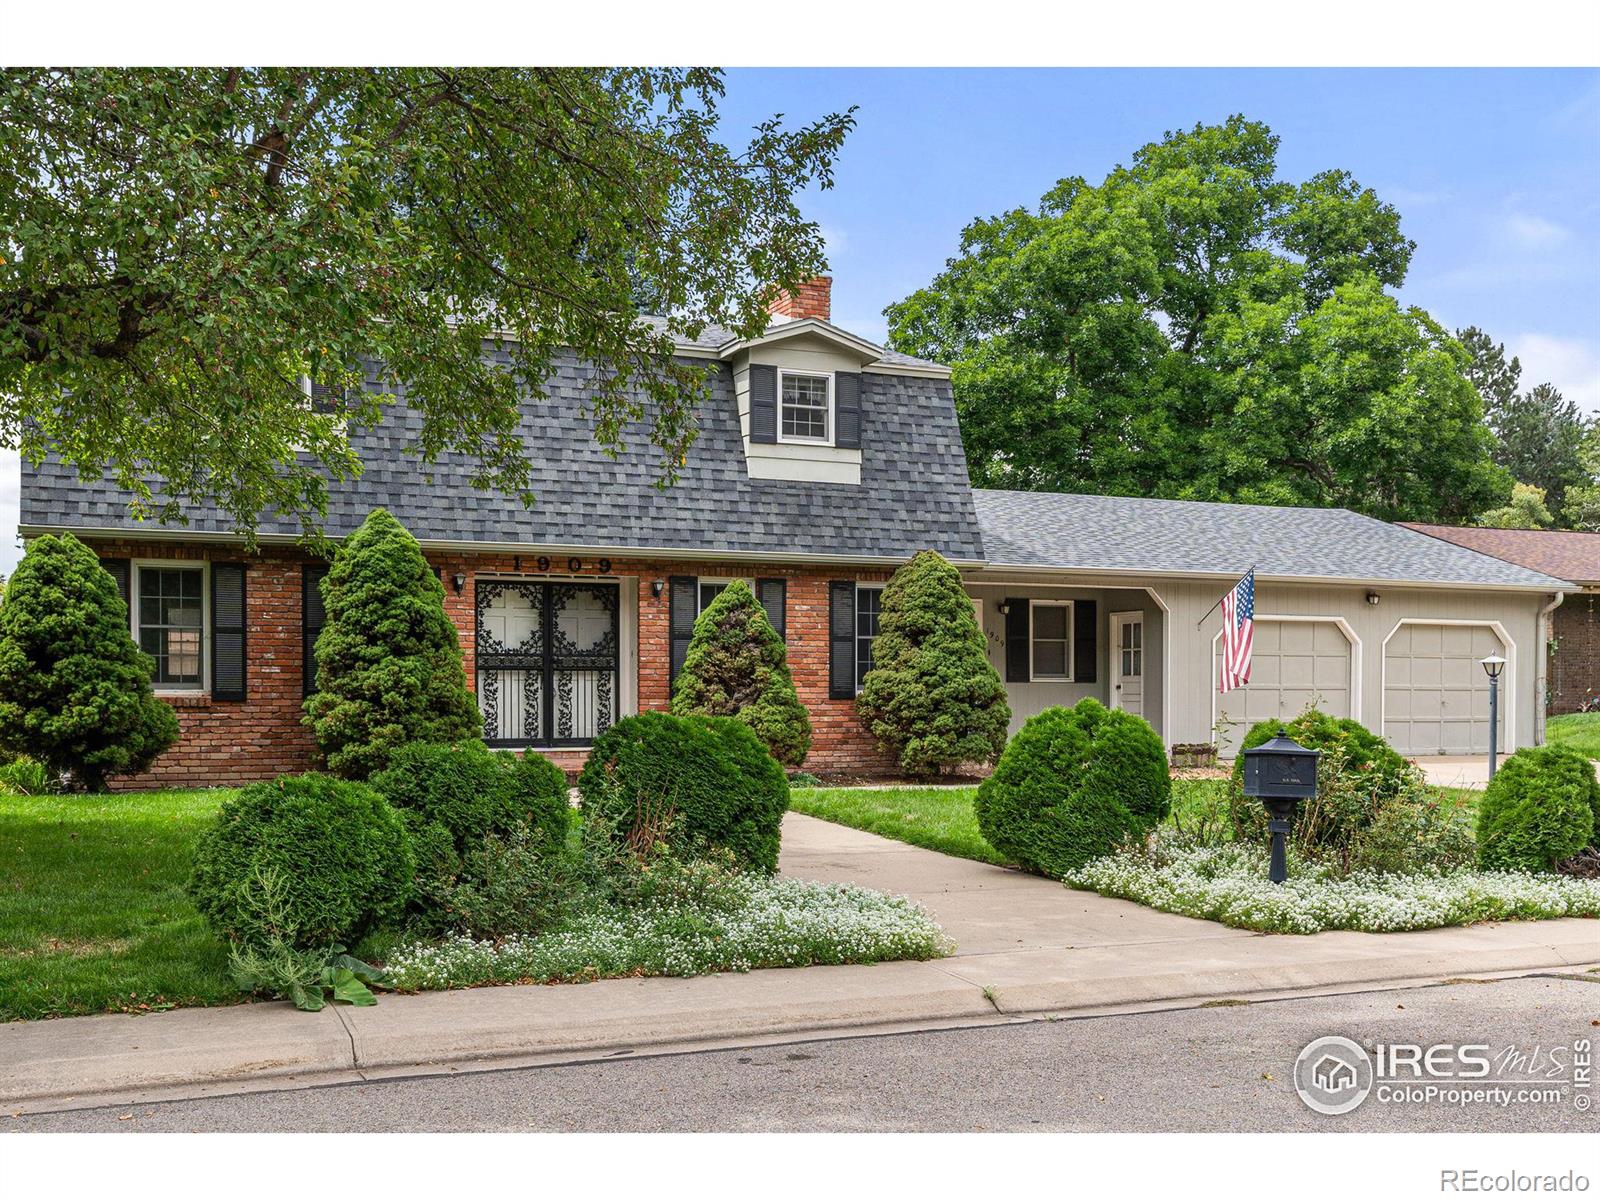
1435	692
1294	665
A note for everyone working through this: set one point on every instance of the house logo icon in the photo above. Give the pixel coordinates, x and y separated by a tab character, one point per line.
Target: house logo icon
1333	1075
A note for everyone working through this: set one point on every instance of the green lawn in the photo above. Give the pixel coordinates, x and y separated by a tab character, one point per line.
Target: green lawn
941	818
1579	731
93	917
935	818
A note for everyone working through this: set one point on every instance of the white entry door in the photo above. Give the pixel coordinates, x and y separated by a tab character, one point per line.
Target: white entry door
1127	662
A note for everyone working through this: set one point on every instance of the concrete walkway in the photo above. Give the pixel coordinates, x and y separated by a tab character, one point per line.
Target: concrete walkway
1025	947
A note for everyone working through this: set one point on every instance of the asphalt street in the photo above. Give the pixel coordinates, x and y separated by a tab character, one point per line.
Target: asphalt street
1227	1067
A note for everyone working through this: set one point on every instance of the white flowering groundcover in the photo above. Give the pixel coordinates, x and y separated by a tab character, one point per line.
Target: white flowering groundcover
1228	883
772	922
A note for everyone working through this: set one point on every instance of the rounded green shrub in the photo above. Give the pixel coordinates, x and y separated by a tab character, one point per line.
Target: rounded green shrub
1358	775
932	697
75	691
694	784
737	666
1541	807
388	660
1072	785
339	857
472	792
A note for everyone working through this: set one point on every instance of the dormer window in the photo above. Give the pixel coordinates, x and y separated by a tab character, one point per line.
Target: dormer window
806	408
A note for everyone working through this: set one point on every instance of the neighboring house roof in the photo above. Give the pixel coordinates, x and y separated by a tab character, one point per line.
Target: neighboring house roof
913	493
1185	537
1566	553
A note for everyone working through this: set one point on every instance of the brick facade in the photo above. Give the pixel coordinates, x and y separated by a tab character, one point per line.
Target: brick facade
224	743
813	298
1574	671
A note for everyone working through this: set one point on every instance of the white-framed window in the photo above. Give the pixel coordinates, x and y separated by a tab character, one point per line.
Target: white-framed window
869	601
169	616
710	589
805	408
1050	640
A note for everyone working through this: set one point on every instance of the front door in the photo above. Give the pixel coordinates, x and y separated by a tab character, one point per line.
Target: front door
1127	662
547	658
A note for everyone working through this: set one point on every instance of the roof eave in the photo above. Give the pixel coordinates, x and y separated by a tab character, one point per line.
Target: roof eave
1542	588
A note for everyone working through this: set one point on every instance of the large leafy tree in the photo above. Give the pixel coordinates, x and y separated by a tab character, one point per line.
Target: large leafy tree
1195	326
180	248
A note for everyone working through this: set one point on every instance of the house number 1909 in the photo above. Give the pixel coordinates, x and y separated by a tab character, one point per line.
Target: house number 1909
574	565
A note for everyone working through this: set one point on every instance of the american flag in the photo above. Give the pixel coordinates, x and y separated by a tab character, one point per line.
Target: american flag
1238	629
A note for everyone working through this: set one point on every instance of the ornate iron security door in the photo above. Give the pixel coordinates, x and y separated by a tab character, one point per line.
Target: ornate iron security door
547	661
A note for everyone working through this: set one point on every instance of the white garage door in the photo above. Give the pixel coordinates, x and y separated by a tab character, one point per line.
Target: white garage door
1295	665
1435	692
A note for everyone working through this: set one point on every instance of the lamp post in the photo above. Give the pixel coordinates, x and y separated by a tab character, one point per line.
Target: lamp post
1492	666
1280	773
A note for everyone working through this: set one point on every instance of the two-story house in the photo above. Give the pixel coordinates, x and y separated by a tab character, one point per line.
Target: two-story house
823	462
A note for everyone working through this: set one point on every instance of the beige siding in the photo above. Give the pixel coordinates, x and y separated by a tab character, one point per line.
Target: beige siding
1180	672
1029	699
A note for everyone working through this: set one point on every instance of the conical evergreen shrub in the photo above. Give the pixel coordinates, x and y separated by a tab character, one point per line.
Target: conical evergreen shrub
737	666
388	660
932	696
74	689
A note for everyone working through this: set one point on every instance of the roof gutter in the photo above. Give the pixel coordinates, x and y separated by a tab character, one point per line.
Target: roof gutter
1088	573
524	548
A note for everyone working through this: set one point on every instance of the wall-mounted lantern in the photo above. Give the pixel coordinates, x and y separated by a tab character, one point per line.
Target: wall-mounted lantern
1372	599
460	581
657	586
1280	774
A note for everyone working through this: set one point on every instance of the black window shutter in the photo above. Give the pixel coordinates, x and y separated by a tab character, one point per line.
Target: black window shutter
683	608
119	570
313	616
773	593
227	631
1017	648
1084	623
763	403
841	640
847	410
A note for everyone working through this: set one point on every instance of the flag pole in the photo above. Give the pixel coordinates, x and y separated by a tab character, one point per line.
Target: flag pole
1224	596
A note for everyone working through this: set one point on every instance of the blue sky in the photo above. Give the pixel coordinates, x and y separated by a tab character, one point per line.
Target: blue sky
1496	174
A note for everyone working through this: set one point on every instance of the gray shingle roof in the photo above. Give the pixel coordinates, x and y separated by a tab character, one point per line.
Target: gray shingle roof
1047	529
913	493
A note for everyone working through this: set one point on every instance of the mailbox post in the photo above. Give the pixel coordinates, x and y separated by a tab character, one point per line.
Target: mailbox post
1280	774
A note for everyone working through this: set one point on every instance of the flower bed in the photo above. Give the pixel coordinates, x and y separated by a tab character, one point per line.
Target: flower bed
766	922
1228	883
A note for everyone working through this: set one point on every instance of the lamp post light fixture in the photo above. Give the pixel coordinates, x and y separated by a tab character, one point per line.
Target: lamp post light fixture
1492	667
1280	774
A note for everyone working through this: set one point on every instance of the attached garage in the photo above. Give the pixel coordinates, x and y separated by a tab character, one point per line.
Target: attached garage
1435	691
1295	665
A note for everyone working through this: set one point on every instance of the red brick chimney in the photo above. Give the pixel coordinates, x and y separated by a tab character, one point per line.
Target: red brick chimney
812	299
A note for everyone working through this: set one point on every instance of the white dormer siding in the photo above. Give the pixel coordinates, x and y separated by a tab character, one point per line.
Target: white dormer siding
791	458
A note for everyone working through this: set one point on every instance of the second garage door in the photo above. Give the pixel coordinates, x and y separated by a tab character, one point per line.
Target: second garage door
1295	665
1435	692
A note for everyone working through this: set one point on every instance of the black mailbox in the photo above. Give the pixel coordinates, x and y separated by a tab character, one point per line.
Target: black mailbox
1280	774
1281	769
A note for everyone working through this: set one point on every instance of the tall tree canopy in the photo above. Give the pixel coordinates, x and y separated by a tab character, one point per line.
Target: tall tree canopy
1194	326
1538	433
180	248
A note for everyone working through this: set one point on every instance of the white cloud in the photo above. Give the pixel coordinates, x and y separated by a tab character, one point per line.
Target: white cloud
1535	233
1572	364
10	509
